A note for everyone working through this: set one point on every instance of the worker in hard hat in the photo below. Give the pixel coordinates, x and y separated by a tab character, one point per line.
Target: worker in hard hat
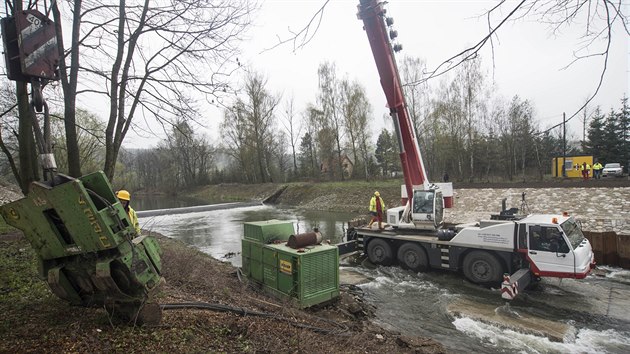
377	208
125	197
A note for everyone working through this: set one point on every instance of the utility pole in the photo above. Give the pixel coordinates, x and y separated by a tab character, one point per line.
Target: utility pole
564	144
584	131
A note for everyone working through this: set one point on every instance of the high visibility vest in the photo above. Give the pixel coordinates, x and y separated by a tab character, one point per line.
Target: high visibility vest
134	220
373	203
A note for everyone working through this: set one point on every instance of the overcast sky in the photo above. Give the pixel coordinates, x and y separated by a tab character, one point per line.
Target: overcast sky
528	59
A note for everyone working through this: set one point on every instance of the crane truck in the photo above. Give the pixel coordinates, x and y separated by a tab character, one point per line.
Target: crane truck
509	250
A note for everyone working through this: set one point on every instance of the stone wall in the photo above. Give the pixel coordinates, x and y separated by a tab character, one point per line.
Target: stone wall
599	209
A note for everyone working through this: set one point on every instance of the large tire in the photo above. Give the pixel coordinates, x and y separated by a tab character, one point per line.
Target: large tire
482	268
379	252
413	257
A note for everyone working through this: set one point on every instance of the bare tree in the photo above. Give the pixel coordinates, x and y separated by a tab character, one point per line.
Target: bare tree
417	95
190	153
313	145
158	59
293	129
470	87
8	127
356	113
329	100
90	138
69	75
249	129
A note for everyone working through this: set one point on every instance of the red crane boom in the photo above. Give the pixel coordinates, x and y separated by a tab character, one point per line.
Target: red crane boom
375	25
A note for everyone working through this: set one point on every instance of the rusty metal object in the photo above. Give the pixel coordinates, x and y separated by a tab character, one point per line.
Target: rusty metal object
39	55
305	239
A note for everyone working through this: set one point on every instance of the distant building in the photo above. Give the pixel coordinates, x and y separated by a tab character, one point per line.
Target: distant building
330	166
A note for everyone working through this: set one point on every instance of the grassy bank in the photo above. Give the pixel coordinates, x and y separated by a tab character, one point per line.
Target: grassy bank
349	196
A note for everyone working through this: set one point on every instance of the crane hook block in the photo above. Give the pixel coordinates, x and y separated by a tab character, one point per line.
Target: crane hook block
30	46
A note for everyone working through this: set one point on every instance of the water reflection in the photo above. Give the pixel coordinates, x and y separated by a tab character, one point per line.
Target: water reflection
219	232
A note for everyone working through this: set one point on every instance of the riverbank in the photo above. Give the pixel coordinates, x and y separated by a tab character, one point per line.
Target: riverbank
601	205
34	320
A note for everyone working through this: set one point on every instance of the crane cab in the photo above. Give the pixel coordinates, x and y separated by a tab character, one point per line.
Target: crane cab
424	211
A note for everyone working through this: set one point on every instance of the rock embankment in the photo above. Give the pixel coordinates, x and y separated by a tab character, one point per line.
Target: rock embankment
599	209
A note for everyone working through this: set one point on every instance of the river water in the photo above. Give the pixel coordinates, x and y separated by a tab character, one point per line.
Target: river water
568	316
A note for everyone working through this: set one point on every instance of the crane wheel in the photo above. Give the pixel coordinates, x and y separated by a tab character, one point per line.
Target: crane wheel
482	268
413	257
379	252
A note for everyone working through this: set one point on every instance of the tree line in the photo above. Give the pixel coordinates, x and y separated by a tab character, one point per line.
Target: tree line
462	124
608	137
158	59
463	128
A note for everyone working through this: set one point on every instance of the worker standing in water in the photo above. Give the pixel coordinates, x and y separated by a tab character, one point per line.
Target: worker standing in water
125	198
377	208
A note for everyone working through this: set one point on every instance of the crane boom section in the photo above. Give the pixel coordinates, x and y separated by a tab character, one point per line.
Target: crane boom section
373	16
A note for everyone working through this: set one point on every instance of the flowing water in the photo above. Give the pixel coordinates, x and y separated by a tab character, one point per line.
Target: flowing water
568	316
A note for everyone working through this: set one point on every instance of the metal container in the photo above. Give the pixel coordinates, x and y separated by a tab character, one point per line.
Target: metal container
268	231
308	275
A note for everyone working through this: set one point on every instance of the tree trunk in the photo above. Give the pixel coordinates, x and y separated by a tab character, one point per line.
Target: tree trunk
69	85
111	151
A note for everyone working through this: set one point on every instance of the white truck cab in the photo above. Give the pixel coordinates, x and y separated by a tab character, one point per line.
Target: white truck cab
557	247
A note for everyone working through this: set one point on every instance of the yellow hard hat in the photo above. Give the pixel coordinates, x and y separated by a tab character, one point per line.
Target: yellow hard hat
123	195
377	194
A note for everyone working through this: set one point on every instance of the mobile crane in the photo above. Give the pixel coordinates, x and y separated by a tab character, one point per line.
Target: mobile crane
509	250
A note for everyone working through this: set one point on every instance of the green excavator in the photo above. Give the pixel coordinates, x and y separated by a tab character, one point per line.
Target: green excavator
89	253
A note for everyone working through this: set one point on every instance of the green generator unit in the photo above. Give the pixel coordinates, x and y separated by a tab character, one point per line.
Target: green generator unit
308	275
89	253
